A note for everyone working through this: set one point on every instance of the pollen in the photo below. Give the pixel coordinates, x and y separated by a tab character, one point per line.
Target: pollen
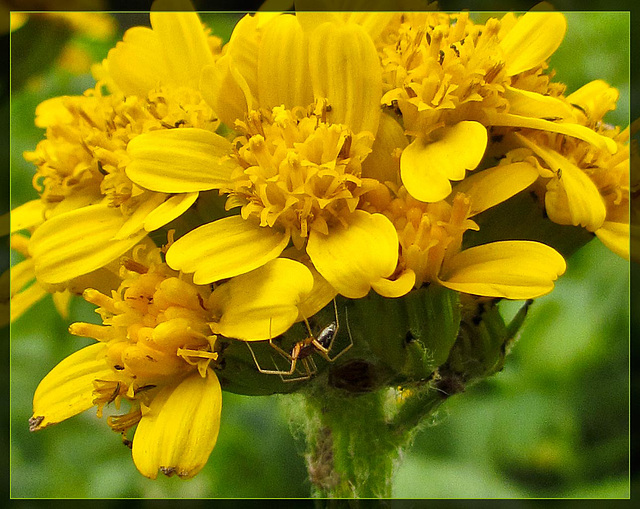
427	232
298	172
155	327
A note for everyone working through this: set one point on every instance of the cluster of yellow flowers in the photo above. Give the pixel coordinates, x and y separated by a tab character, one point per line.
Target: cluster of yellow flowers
348	152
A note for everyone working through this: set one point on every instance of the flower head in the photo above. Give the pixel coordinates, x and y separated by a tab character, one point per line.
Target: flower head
155	351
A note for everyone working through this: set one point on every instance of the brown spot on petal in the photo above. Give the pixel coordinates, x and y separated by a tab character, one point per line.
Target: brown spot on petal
34	423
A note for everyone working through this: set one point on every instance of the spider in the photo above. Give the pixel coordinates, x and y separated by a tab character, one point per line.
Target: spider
302	351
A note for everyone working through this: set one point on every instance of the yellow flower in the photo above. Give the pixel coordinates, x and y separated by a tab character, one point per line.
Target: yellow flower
430	236
81	162
295	167
582	184
450	81
157	353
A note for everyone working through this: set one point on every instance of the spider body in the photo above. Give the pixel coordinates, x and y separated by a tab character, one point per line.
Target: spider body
302	351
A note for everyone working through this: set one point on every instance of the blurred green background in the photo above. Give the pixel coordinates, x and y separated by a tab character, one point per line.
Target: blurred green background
554	423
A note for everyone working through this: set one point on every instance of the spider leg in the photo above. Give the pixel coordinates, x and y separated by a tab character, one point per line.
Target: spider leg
280	372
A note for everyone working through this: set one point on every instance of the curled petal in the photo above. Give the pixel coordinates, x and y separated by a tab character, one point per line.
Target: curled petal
396	287
427	167
68	388
263	303
225	248
571	197
179	160
353	258
517	269
179	430
532	40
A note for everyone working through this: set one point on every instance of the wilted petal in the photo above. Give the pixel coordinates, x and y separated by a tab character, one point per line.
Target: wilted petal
509	269
352	258
225	248
427	167
68	388
179	430
263	303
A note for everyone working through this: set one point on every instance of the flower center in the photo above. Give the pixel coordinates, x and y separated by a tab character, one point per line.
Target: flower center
427	232
155	327
298	171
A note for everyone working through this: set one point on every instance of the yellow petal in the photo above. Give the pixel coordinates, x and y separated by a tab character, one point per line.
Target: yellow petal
263	303
78	242
382	164
616	236
595	98
428	166
135	64
169	210
517	269
374	23
178	432
344	68
532	40
397	287
184	44
310	20
283	67
149	201
27	215
571	197
495	185
61	301
226	91
320	295
22	301
68	388
243	48
352	258
575	130
532	104
225	248
22	274
180	160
